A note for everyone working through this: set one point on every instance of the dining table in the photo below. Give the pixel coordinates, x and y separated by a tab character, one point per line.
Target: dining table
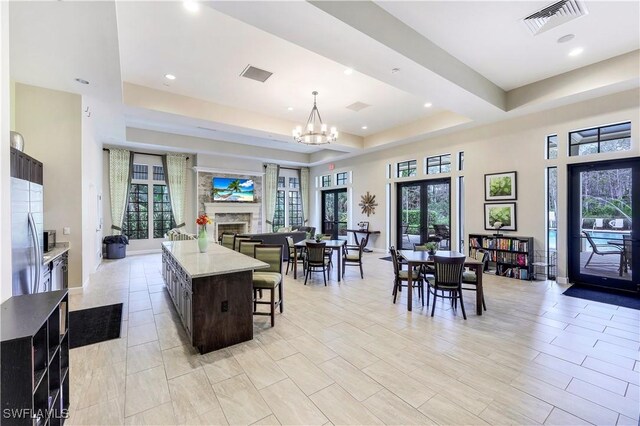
334	245
415	258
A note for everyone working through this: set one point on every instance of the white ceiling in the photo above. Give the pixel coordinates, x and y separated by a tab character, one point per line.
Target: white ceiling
489	36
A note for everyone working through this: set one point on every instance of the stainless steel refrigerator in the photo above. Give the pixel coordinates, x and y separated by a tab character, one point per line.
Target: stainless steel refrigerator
26	236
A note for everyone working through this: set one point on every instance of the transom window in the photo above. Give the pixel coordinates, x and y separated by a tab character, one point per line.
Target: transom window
341	178
612	138
407	168
439	164
325	181
140	171
552	147
461	161
281	181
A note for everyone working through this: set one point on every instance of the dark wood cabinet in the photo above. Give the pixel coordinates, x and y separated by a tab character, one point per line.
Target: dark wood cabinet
34	376
25	167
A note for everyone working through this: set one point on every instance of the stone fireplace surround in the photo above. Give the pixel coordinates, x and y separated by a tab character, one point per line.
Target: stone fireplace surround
234	213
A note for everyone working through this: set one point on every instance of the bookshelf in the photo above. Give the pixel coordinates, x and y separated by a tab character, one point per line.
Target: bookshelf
34	376
513	256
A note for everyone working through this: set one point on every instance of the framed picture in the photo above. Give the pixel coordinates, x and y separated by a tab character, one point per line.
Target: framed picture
500	186
504	213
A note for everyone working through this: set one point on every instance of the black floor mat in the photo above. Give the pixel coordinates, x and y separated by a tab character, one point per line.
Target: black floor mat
94	325
627	300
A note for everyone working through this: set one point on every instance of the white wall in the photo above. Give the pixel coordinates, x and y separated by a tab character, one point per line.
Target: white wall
516	144
50	122
5	181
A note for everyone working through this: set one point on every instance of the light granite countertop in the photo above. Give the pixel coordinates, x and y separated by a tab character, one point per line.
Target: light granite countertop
218	260
54	253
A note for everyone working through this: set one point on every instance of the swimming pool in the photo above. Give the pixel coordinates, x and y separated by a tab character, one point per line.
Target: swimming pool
599	237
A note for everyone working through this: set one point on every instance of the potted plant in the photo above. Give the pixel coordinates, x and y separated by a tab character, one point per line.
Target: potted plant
319	237
431	247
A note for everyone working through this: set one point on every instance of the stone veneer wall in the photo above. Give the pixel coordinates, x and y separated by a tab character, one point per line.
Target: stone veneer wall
205	185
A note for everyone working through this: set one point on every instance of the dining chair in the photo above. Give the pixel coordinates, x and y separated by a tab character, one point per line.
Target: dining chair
268	279
328	252
246	247
227	239
352	256
469	277
425	269
316	260
448	278
292	249
236	242
401	276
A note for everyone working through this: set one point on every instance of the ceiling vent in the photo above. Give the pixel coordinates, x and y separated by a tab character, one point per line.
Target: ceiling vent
256	74
358	106
554	15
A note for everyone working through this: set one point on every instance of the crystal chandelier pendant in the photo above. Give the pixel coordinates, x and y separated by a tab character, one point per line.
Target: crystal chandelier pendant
315	130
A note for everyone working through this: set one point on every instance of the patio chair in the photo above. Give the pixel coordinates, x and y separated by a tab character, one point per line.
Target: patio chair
616	224
598	223
603	250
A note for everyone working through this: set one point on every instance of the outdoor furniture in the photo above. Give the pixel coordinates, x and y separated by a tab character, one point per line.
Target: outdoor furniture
333	244
616	224
448	278
416	258
354	258
603	250
401	276
627	253
471	278
268	279
316	260
598	223
227	240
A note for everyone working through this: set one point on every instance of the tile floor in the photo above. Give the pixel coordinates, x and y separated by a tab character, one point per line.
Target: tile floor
345	354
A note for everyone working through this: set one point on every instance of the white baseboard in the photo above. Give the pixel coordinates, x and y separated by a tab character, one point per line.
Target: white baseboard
562	280
139	252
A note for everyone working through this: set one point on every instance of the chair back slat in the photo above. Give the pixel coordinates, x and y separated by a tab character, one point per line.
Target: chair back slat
271	254
315	252
290	245
394	258
449	270
246	247
236	242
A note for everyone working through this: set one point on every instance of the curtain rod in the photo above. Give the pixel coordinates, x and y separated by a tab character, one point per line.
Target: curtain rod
141	153
282	167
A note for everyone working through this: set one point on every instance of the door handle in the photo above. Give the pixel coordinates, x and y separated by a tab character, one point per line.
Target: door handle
38	254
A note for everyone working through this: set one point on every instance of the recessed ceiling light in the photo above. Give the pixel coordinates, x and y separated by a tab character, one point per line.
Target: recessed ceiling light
576	51
191	6
170	76
348	71
82	81
289	108
364	127
566	38
428	105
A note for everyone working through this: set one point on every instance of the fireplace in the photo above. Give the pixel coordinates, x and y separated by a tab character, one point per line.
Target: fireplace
234	217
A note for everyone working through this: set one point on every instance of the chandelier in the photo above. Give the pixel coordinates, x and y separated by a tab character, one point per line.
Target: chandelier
315	130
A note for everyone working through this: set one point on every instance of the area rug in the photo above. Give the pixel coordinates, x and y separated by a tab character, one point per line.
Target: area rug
610	297
94	325
387	258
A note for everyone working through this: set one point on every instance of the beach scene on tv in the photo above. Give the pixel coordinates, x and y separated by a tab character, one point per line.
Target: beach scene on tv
229	189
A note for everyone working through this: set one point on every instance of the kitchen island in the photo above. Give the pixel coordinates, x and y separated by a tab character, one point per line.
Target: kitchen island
212	292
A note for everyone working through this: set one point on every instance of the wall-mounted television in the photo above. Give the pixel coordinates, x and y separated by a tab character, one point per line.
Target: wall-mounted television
231	189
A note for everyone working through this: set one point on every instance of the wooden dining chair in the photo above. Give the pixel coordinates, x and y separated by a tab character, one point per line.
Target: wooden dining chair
401	276
352	256
296	254
424	269
328	252
471	279
268	279
448	278
316	260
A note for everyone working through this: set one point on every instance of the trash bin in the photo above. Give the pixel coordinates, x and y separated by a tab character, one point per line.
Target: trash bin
116	246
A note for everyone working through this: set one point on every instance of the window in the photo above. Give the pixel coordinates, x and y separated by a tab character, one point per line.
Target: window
136	219
341	178
407	168
326	181
552	147
461	161
294	182
148	212
616	137
295	209
281	180
439	164
278	217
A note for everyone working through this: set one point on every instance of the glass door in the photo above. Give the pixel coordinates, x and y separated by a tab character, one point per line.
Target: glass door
424	213
334	213
602	233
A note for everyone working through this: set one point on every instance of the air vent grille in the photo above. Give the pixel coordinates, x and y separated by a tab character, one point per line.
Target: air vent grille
554	15
358	106
256	74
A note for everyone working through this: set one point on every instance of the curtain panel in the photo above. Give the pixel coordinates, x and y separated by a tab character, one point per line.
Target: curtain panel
304	189
175	172
270	192
120	164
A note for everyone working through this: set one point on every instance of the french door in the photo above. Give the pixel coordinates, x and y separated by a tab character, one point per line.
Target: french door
334	213
604	232
424	213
